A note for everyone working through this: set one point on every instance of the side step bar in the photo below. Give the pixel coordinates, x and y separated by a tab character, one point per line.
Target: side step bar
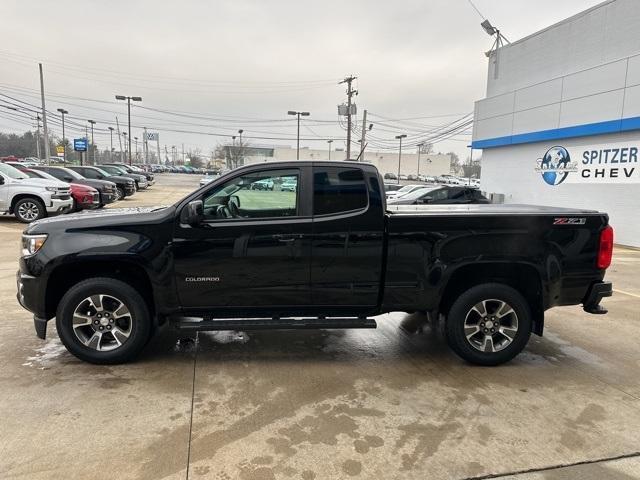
276	324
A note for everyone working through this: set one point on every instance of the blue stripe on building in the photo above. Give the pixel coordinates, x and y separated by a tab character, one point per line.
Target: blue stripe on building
585	130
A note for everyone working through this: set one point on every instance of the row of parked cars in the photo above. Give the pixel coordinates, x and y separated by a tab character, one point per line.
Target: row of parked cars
156	168
433	194
445	179
31	191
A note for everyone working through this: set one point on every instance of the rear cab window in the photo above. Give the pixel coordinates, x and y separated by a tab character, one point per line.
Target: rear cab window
338	190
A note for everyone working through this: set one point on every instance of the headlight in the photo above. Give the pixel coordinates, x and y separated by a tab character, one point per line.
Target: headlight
32	243
51	189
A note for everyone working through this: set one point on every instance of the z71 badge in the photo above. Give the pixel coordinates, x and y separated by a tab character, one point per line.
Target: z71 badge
569	221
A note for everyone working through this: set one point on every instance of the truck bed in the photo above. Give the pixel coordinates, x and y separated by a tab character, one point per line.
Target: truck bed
485	209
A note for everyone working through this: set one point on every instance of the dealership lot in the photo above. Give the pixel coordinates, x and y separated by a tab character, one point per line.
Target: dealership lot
379	403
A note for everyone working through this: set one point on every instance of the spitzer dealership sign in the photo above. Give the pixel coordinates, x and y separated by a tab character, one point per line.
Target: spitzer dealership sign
610	163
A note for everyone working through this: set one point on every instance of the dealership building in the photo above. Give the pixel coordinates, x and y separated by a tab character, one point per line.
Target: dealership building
560	124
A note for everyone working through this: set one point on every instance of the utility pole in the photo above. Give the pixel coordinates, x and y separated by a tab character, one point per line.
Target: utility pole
93	146
119	138
364	134
111	142
160	162
350	92
329	142
145	145
86	139
64	139
183	154
420	145
44	117
38	137
400	137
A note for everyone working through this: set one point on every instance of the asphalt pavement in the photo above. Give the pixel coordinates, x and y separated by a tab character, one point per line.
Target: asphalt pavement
324	404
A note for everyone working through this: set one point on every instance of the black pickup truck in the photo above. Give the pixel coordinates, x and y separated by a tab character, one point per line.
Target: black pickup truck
316	248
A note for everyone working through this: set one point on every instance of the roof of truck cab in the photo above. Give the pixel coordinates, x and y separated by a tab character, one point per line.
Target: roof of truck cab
486	209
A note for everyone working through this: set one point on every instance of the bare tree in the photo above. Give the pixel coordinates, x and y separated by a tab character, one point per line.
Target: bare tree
195	157
456	166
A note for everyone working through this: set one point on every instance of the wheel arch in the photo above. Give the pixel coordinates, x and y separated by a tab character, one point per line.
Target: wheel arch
67	275
20	196
525	278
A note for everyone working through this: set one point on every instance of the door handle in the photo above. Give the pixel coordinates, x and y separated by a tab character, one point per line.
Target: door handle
285	238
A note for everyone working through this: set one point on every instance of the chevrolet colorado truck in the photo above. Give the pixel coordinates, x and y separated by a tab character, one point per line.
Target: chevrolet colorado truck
326	254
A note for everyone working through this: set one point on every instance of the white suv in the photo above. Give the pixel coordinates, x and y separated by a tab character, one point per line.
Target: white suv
31	199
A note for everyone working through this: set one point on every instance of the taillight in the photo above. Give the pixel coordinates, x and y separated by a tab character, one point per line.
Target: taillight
605	249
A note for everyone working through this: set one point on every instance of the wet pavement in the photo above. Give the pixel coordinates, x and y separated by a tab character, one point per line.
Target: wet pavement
323	404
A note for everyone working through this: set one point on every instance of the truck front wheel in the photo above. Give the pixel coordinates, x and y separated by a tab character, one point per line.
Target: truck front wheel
103	321
29	210
489	324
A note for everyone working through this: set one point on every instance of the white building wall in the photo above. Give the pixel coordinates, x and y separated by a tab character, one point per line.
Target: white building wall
511	171
386	162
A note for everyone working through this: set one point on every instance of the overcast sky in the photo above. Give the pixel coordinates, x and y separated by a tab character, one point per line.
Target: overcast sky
254	60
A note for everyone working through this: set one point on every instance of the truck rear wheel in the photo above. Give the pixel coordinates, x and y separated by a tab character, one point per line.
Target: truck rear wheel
29	210
489	324
103	321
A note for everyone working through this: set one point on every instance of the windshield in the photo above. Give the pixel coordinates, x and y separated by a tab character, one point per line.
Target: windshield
113	169
407	188
71	173
40	174
12	172
103	172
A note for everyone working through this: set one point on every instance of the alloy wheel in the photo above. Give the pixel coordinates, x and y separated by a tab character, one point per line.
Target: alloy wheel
28	211
102	322
491	325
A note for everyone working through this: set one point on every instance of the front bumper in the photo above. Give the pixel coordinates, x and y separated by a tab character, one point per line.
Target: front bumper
106	198
28	299
59	206
130	189
594	296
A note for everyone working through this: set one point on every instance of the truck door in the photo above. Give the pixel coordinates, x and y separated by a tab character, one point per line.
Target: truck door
253	249
347	246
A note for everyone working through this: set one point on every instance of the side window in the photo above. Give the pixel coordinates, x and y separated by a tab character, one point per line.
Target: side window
264	194
437	195
338	189
457	193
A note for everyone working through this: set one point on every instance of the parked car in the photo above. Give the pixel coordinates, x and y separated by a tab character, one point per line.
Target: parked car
84	196
390	176
125	186
135	170
403	190
440	195
30	199
490	271
208	178
141	180
106	189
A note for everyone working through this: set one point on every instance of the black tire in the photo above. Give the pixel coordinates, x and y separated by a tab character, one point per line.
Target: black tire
29	210
138	331
507	345
120	193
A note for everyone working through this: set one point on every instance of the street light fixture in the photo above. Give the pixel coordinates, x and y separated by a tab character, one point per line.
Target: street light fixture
128	99
93	147
400	137
63	112
298	114
329	142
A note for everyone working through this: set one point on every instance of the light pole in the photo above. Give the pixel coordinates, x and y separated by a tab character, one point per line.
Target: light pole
63	112
420	145
241	150
111	150
128	99
124	134
93	147
329	142
400	137
298	114
136	139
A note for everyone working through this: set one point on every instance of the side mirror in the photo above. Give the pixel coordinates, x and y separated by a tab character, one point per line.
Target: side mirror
425	200
1	180
193	213
68	179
